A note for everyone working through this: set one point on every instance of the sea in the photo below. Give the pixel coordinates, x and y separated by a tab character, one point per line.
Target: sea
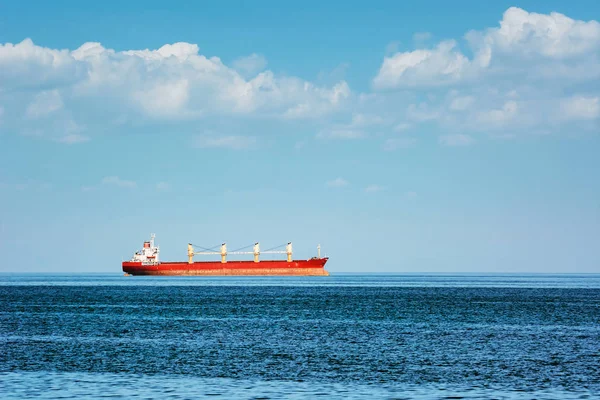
345	336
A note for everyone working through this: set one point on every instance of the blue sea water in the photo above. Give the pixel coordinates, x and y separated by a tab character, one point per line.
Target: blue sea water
343	336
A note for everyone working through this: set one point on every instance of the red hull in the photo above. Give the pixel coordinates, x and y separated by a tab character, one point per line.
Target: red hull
312	267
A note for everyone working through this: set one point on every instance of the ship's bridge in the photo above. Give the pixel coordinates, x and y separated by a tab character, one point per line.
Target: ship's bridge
148	255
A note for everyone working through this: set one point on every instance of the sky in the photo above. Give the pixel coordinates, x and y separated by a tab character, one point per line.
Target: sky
434	136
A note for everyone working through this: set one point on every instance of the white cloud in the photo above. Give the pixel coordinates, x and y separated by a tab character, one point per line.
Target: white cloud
580	107
440	66
373	188
73	138
250	65
44	103
529	73
551	35
526	75
25	65
455	140
116	181
181	51
337	183
499	116
164	99
174	82
401	127
315	102
234	142
523	39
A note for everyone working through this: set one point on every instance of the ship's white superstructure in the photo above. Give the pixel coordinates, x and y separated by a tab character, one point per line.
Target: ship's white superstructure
148	255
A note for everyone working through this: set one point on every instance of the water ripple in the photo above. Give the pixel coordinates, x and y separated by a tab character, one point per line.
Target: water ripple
278	341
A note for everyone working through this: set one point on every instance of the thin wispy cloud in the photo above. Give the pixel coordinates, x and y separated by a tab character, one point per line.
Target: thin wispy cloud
373	188
162	186
250	65
337	183
118	182
73	139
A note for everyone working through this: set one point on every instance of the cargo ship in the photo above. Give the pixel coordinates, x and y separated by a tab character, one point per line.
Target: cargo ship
146	262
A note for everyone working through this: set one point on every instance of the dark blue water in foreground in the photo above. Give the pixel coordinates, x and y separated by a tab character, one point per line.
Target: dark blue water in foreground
397	336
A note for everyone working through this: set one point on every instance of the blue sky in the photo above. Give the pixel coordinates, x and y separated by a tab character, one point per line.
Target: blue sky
437	137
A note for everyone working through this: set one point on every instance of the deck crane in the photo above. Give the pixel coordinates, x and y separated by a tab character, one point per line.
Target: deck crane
223	251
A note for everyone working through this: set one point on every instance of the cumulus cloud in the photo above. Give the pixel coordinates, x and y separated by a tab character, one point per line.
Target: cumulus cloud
523	39
531	34
439	66
25	65
525	75
172	83
164	99
531	72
